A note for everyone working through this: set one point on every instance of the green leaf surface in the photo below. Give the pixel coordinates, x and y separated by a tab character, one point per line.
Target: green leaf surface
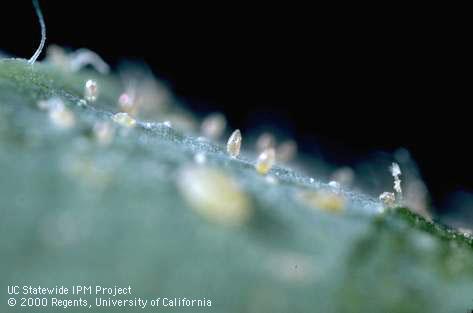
74	212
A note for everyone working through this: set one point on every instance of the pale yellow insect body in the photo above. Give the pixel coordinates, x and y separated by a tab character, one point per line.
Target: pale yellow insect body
324	200
214	195
124	120
265	161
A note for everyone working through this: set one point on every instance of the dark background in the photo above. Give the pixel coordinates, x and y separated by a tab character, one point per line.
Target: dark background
351	82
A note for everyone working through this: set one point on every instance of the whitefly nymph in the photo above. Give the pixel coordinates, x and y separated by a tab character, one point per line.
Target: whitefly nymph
214	194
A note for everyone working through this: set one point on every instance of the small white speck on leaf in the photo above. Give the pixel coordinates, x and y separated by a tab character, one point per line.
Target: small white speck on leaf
234	144
344	175
265	161
334	184
91	90
388	199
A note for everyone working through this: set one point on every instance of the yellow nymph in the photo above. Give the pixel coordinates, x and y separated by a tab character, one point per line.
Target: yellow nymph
265	161
124	119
